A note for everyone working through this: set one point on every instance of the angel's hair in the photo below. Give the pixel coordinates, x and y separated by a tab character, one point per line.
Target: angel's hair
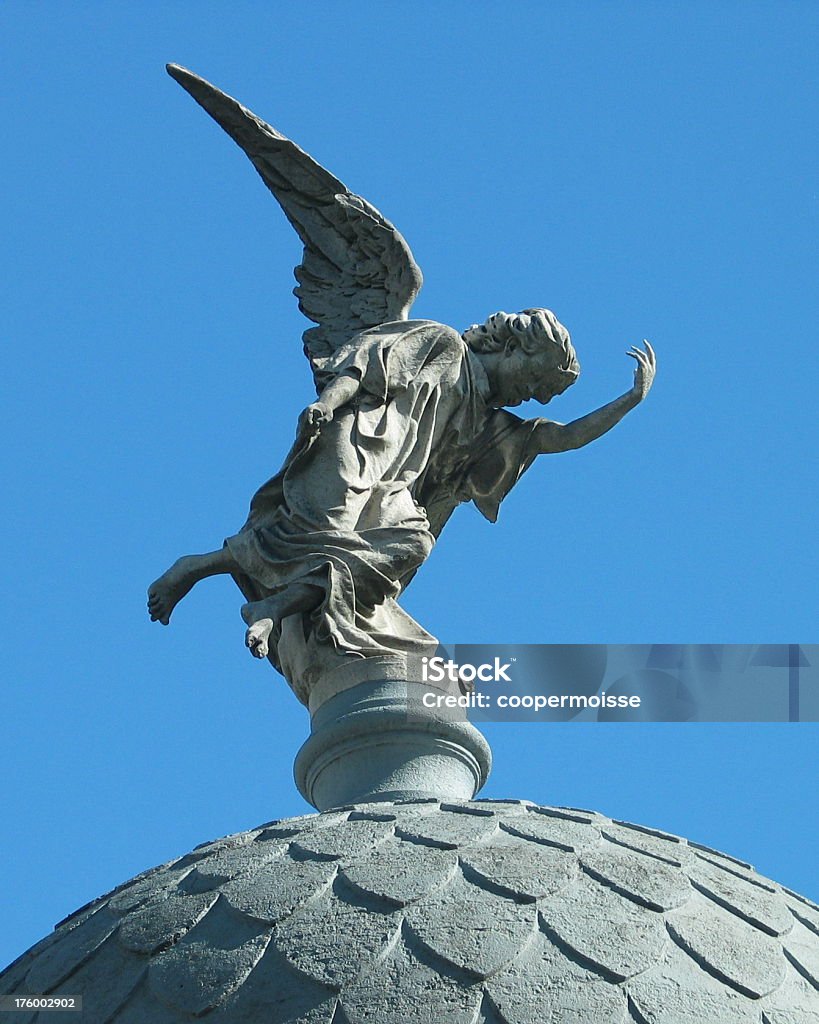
533	330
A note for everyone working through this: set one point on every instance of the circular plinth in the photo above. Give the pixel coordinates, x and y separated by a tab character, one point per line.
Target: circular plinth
376	741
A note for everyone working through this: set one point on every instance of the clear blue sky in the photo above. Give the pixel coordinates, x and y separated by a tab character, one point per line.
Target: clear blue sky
646	170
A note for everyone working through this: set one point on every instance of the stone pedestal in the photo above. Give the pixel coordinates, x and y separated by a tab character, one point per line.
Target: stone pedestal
374	740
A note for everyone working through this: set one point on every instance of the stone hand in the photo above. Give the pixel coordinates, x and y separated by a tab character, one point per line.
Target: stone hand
314	416
645	370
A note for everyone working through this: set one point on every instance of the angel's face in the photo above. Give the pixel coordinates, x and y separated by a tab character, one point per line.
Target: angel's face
516	376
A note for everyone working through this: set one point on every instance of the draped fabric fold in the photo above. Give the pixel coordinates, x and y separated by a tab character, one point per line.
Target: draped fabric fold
356	508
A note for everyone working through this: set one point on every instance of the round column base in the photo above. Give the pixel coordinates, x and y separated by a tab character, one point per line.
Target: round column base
375	742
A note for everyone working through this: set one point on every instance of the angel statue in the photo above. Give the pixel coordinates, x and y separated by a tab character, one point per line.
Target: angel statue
411	420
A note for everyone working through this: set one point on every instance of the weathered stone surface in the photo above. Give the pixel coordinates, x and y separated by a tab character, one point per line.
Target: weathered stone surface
678	991
472	928
152	887
804	911
506	808
760	907
61	959
573	1004
733	951
578	814
733	867
275	993
795	1016
796	1000
406	990
345	841
106	980
521	870
563	833
210	962
164	922
651	883
467	921
791	1017
790	894
612	934
223	864
544	984
803	952
332	942
651	842
286	828
401	872
447	829
12	978
276	890
719	857
143	1007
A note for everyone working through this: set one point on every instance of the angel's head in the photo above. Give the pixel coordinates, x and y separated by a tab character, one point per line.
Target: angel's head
525	355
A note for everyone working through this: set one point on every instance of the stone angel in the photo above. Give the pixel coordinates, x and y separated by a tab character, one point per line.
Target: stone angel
411	419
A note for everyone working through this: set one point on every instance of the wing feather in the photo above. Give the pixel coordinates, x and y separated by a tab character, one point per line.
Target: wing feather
357	270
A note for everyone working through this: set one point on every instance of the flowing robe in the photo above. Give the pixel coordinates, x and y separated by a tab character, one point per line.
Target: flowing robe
356	508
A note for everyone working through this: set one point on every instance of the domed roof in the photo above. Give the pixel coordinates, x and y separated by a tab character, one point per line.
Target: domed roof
428	912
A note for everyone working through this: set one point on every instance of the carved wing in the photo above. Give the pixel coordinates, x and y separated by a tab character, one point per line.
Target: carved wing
357	271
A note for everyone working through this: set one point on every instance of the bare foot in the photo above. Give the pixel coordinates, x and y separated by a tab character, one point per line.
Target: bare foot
166	592
257	636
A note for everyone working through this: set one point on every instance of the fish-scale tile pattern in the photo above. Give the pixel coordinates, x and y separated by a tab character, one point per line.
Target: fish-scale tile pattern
616	936
805	911
333	942
415	912
106	980
345	841
400	872
447	829
562	832
62	959
407	989
471	927
160	924
544	984
520	870
651	883
733	951
794	1002
210	961
671	992
803	953
759	906
280	888
648	841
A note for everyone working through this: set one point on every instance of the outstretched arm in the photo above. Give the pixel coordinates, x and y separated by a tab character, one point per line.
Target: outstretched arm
550	437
